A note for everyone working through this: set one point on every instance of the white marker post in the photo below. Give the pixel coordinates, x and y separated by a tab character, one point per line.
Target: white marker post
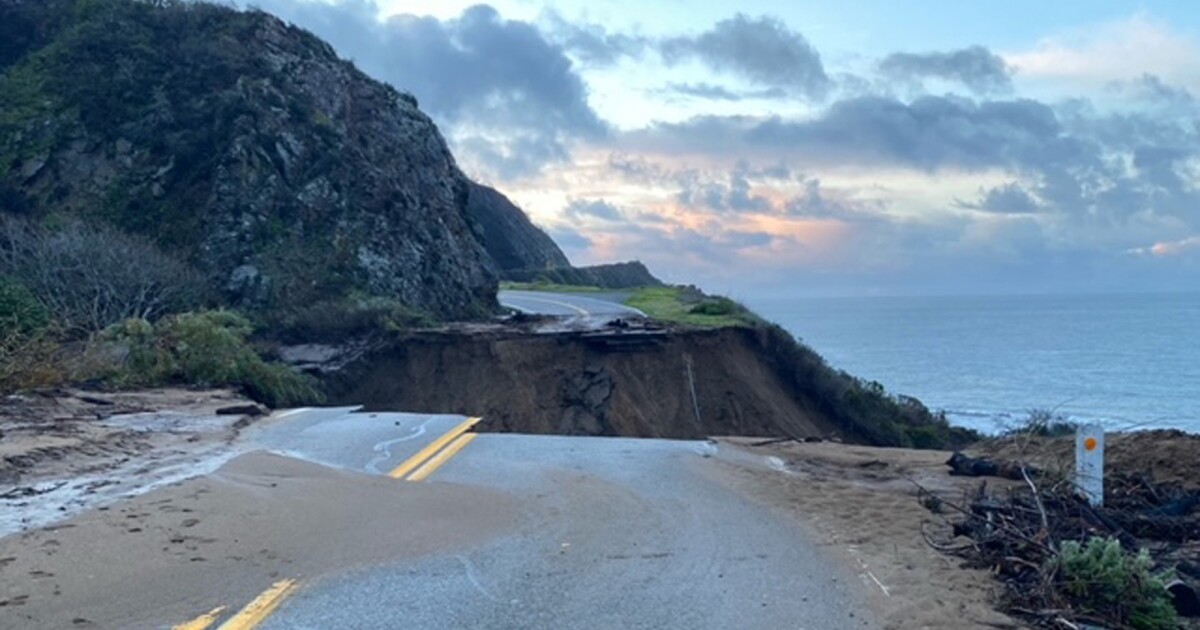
1089	462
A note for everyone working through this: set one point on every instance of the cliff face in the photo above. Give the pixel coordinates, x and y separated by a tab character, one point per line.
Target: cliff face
524	253
624	275
241	144
509	237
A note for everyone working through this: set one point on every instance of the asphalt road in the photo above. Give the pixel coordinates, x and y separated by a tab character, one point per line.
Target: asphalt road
567	304
615	533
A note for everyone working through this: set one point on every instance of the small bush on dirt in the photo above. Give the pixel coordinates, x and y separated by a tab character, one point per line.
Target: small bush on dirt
1042	423
28	361
207	348
1102	579
716	306
20	311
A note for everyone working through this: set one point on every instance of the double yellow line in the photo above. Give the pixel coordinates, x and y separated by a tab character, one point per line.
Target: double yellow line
415	468
249	617
432	457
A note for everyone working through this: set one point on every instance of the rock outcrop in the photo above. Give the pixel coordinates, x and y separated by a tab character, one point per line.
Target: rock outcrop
509	237
624	275
243	145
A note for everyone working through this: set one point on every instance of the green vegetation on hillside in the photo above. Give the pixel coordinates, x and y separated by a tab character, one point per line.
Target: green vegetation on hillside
85	302
865	409
689	306
241	145
208	349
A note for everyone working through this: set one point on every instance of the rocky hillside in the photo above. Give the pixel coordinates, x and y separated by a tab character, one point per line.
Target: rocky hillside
623	275
524	253
509	237
242	145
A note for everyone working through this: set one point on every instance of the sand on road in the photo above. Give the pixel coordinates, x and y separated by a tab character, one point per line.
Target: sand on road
173	553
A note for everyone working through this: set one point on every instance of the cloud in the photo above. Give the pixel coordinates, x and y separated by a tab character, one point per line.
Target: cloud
928	133
499	87
732	195
592	44
1153	90
709	91
1010	198
1169	248
813	202
598	208
763	50
978	68
1120	50
570	240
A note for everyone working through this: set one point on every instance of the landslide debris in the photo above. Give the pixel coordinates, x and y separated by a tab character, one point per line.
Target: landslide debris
1131	563
635	380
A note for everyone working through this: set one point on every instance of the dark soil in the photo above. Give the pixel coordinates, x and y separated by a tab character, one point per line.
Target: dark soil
590	384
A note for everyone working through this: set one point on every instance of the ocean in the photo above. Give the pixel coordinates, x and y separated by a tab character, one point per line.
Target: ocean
1125	361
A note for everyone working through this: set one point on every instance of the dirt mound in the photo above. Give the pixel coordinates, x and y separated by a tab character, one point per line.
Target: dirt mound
682	384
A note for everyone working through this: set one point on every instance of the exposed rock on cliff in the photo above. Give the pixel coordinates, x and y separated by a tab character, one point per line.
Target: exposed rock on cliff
242	144
612	276
509	237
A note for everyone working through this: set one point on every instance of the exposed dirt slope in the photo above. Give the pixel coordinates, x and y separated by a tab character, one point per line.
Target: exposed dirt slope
589	384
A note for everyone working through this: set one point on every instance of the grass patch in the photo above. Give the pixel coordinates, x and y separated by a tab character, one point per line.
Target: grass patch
690	306
551	287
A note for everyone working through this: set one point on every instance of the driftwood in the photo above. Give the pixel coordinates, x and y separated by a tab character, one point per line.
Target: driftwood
1015	533
965	466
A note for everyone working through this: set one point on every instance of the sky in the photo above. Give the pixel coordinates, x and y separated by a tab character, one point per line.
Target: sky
808	148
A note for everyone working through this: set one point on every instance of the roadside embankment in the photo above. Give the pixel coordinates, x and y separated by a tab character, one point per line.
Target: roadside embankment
672	383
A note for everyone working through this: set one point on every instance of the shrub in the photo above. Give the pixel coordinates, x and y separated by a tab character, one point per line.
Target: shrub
20	311
28	361
93	276
1042	423
1101	579
207	348
863	409
716	306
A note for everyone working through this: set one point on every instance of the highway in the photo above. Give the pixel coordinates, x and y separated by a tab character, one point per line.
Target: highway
334	518
615	533
568	304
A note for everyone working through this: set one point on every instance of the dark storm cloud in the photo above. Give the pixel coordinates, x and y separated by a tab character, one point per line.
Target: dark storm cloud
517	94
763	50
978	68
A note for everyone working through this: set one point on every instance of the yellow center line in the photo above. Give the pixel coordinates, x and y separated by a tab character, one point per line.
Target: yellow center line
443	457
416	460
202	622
258	610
